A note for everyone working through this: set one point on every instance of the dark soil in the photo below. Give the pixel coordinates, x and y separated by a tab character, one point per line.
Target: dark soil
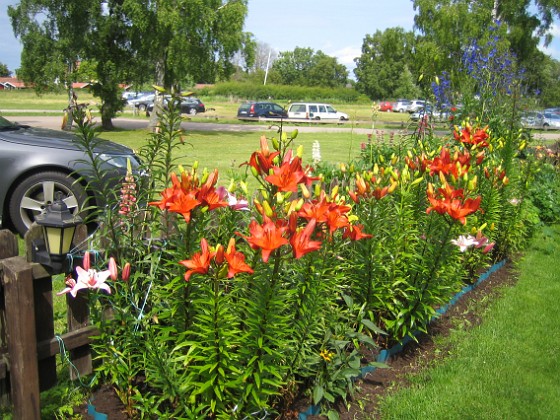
465	314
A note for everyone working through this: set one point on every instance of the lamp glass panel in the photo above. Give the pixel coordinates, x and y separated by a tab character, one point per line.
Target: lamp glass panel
68	235
53	238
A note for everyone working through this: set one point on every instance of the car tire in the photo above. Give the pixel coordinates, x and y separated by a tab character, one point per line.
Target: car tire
32	196
141	107
192	111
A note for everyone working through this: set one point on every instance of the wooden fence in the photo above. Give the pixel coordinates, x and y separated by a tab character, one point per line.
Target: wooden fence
28	345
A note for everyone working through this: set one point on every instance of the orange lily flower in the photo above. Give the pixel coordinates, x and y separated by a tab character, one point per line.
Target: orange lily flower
236	261
184	204
301	243
355	233
200	261
267	237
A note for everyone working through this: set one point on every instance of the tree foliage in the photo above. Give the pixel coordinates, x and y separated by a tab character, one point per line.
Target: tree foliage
167	42
379	69
4	70
305	67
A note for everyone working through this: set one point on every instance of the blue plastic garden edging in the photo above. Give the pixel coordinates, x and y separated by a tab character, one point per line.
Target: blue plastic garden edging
384	355
93	412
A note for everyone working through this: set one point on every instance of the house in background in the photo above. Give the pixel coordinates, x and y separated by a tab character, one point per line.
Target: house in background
8	83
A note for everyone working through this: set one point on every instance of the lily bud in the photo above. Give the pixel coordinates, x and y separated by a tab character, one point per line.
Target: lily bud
275	143
267	209
125	275
219	254
376	169
86	263
299	151
304	191
294	134
113	272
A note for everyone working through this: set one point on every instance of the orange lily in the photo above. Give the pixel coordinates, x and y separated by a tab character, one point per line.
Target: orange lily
200	261
301	243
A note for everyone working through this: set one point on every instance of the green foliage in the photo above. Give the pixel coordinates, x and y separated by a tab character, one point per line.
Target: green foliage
305	67
4	71
379	70
286	93
318	268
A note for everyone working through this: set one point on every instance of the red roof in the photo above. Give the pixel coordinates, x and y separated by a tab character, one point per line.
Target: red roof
12	83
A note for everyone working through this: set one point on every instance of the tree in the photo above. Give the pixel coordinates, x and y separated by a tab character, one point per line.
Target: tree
384	57
305	67
169	42
53	38
4	71
451	25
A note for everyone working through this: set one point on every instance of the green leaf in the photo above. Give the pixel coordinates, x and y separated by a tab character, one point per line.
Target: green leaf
318	393
333	415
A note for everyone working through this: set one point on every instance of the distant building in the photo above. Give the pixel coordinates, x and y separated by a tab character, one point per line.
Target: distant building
8	83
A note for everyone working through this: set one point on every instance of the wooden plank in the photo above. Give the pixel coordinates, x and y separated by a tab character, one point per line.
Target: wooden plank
22	342
44	325
8	244
71	340
78	318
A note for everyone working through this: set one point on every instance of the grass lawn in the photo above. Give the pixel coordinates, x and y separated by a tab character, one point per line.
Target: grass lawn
226	151
508	367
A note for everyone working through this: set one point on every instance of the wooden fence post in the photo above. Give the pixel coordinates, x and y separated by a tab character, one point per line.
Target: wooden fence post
17	279
8	249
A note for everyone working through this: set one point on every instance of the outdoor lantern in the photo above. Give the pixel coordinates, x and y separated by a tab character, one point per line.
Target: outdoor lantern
58	225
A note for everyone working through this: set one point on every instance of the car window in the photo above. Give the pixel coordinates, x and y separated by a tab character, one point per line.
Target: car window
312	108
331	109
298	108
277	108
322	108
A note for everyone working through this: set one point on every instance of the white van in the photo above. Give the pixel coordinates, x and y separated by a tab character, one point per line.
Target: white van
315	111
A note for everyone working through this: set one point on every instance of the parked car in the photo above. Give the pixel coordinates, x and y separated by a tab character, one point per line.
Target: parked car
386	106
189	105
432	114
261	109
414	105
548	120
38	164
315	111
401	105
142	102
531	119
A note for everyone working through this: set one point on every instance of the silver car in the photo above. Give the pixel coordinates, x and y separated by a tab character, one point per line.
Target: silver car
36	165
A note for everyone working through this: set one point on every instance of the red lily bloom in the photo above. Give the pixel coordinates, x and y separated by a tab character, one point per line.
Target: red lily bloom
477	139
184	204
236	261
301	243
262	161
354	233
267	237
167	196
459	210
285	177
315	209
200	261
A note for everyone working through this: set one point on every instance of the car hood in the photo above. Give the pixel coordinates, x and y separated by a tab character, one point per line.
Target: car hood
53	139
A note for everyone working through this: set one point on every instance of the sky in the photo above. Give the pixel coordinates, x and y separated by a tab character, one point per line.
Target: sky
335	27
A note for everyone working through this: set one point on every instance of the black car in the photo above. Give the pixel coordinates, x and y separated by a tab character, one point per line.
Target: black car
261	109
36	165
189	105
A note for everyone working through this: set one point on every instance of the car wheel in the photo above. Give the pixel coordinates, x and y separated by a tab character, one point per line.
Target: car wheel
317	118
34	194
192	111
141	107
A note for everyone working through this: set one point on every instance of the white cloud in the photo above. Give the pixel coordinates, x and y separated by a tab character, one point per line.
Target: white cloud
346	55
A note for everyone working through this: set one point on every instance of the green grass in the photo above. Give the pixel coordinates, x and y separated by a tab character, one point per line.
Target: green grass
226	151
507	368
